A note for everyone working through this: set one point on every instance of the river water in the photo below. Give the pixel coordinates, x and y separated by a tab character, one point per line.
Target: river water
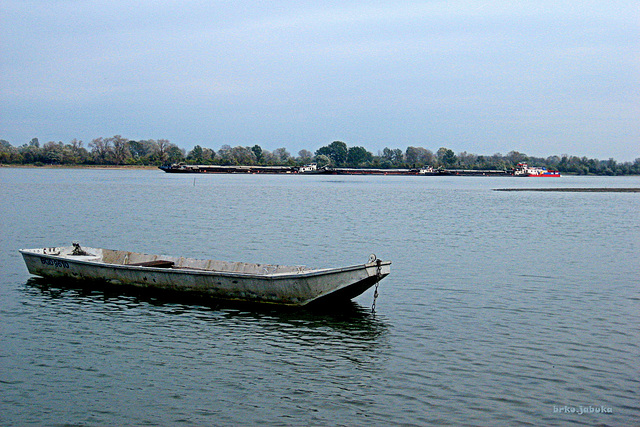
502	308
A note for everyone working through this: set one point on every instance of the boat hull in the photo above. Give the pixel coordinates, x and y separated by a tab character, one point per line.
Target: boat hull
293	288
545	175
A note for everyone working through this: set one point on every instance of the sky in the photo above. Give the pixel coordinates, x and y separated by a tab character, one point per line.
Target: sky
546	77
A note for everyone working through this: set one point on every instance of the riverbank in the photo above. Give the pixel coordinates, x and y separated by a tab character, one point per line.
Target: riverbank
91	167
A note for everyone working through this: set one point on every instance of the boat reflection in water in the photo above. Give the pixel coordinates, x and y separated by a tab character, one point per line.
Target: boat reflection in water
352	320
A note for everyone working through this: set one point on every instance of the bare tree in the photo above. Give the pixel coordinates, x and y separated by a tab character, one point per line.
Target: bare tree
281	155
305	156
121	150
467	160
101	150
163	146
238	156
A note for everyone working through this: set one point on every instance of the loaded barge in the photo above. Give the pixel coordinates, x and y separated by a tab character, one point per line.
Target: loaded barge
313	169
184	168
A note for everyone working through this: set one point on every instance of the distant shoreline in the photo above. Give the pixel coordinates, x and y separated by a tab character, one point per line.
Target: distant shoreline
109	167
575	190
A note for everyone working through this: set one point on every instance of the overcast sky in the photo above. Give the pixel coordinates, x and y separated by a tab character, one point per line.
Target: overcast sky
545	77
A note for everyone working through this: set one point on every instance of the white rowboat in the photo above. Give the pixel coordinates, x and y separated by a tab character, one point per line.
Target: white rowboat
264	283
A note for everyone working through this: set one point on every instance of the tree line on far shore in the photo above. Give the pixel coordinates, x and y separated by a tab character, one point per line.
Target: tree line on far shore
117	150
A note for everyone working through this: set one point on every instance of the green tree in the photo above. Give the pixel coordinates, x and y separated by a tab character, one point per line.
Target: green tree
515	157
446	157
137	149
257	151
144	151
8	153
392	157
196	154
208	156
322	160
54	152
418	156
357	156
243	156
31	153
336	151
497	162
175	154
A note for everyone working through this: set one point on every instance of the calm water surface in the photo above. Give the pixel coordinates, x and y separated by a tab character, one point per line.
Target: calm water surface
501	309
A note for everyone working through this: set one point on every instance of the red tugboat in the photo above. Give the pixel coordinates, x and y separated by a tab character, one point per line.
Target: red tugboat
522	169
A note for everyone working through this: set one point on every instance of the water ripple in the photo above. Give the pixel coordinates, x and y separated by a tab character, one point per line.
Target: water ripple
500	310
